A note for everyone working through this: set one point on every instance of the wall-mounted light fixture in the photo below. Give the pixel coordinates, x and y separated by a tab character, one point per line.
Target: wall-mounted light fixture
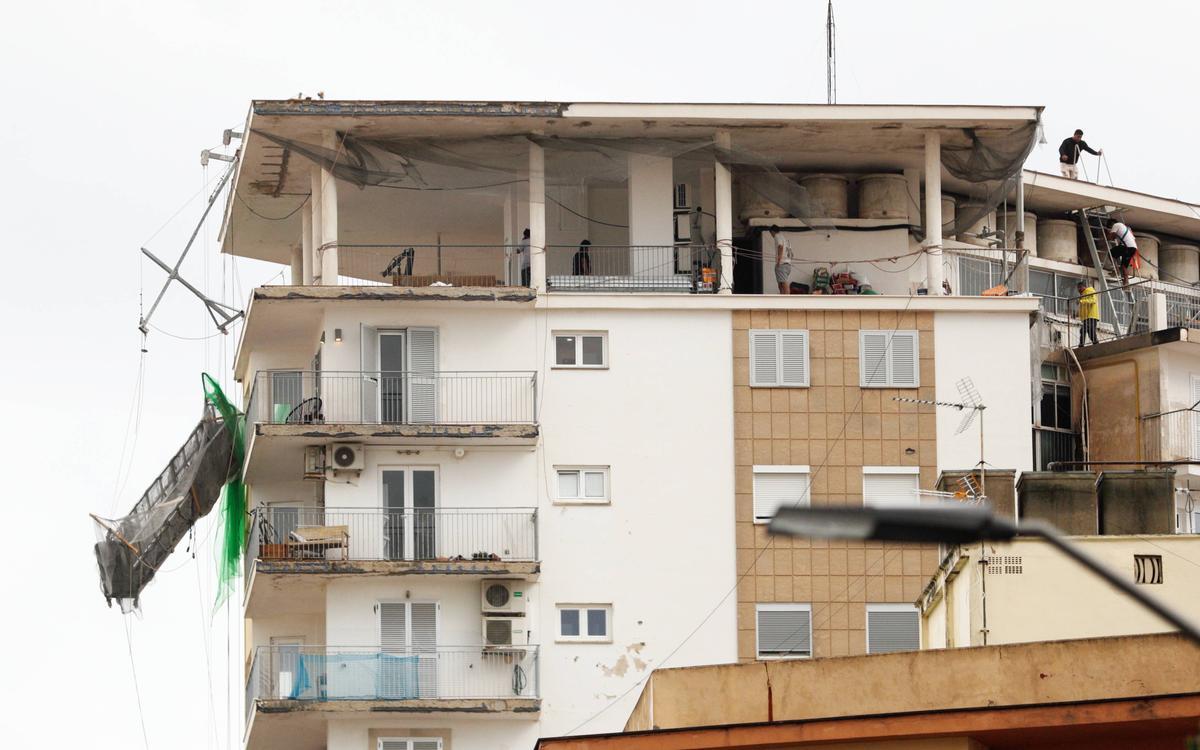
337	335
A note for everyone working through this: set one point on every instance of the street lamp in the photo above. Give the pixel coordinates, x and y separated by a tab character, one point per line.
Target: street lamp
952	524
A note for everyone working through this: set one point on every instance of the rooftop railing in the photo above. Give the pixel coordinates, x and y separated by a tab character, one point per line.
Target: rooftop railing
430	673
410	534
686	269
432	265
392	397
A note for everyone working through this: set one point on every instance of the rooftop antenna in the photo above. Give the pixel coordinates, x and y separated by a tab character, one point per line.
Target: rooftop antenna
973	405
830	58
223	315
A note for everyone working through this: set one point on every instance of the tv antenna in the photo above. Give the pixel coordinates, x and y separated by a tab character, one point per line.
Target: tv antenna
973	405
830	58
223	315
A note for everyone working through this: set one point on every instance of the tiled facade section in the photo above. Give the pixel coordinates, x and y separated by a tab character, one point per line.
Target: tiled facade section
835	427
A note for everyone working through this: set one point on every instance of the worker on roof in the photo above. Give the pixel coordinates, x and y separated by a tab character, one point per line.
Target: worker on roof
1089	311
783	260
1125	250
1068	154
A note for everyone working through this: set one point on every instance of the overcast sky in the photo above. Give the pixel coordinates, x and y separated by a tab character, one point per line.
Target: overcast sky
107	106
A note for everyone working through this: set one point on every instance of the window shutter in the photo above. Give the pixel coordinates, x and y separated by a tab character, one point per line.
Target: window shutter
424	626
1195	418
764	358
368	359
793	357
872	361
784	632
393	744
427	745
892	630
393	627
773	491
422	375
890	490
905	367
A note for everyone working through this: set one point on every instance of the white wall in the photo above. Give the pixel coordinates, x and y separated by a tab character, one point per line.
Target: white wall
993	350
464	733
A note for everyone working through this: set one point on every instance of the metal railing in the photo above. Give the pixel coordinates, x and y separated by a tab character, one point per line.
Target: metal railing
1172	435
382	397
688	269
347	673
420	534
410	265
1051	445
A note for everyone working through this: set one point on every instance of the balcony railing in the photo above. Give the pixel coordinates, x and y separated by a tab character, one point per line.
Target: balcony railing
689	269
408	265
400	398
412	534
1172	435
1051	445
339	673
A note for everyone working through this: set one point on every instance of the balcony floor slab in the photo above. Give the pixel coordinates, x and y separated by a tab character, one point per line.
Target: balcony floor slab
404	434
526	707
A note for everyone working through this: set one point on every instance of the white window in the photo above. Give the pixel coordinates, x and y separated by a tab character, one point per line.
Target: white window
783	631
409	743
585	622
579	349
582	484
779	358
892	627
777	487
891	486
888	359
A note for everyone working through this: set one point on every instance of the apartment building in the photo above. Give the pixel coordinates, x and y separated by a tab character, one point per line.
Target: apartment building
499	474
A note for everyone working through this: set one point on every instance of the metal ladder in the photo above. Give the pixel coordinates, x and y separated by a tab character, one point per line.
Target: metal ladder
1091	221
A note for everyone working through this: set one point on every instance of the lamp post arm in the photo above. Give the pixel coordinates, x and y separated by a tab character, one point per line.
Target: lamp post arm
1075	552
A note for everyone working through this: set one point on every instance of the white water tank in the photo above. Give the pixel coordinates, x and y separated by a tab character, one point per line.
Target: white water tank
1057	239
987	221
1148	252
949	204
1179	263
755	206
830	195
1007	221
883	196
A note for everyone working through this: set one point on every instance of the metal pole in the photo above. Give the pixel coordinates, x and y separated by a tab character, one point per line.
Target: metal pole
1051	535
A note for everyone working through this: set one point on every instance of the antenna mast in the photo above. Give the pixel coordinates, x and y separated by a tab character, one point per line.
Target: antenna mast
830	58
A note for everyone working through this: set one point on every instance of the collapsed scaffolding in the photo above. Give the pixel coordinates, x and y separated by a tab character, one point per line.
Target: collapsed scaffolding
131	549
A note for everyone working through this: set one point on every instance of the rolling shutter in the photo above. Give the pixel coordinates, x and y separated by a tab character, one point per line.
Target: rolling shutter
784	632
779	358
764	358
422	373
416	743
890	490
773	490
892	630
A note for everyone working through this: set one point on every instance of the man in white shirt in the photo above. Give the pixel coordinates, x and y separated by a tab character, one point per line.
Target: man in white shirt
783	260
523	257
1126	248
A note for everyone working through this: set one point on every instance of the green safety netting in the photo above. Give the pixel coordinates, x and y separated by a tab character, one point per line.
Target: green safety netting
233	496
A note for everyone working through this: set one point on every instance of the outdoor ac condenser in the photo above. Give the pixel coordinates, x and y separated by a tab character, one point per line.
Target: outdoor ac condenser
502	631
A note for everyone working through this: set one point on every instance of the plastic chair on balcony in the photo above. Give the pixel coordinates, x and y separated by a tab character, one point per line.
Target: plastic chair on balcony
308	411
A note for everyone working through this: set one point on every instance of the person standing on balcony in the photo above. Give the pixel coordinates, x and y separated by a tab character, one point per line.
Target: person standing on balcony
581	264
523	257
783	260
1068	154
1089	311
1125	251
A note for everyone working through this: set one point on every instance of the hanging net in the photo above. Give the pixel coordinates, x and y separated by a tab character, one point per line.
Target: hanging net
233	496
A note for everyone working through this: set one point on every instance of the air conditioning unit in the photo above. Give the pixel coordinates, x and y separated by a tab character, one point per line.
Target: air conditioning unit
314	462
503	597
683	195
346	457
502	631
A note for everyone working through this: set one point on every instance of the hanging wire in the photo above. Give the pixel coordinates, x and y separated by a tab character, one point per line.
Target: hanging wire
137	691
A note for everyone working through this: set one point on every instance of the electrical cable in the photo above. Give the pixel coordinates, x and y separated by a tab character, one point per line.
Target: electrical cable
585	218
285	217
136	688
770	542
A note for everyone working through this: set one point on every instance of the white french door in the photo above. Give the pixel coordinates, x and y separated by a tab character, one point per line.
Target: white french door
410	513
399	375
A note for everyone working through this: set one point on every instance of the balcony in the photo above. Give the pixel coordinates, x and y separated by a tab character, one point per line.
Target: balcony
332	680
685	269
1172	436
424	408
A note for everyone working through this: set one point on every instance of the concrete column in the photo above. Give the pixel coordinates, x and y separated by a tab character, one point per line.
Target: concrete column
933	212
651	216
329	218
314	220
510	239
723	208
1157	303
306	245
537	217
297	265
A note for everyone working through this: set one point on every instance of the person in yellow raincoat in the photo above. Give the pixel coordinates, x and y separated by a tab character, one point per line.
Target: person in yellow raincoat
1089	311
